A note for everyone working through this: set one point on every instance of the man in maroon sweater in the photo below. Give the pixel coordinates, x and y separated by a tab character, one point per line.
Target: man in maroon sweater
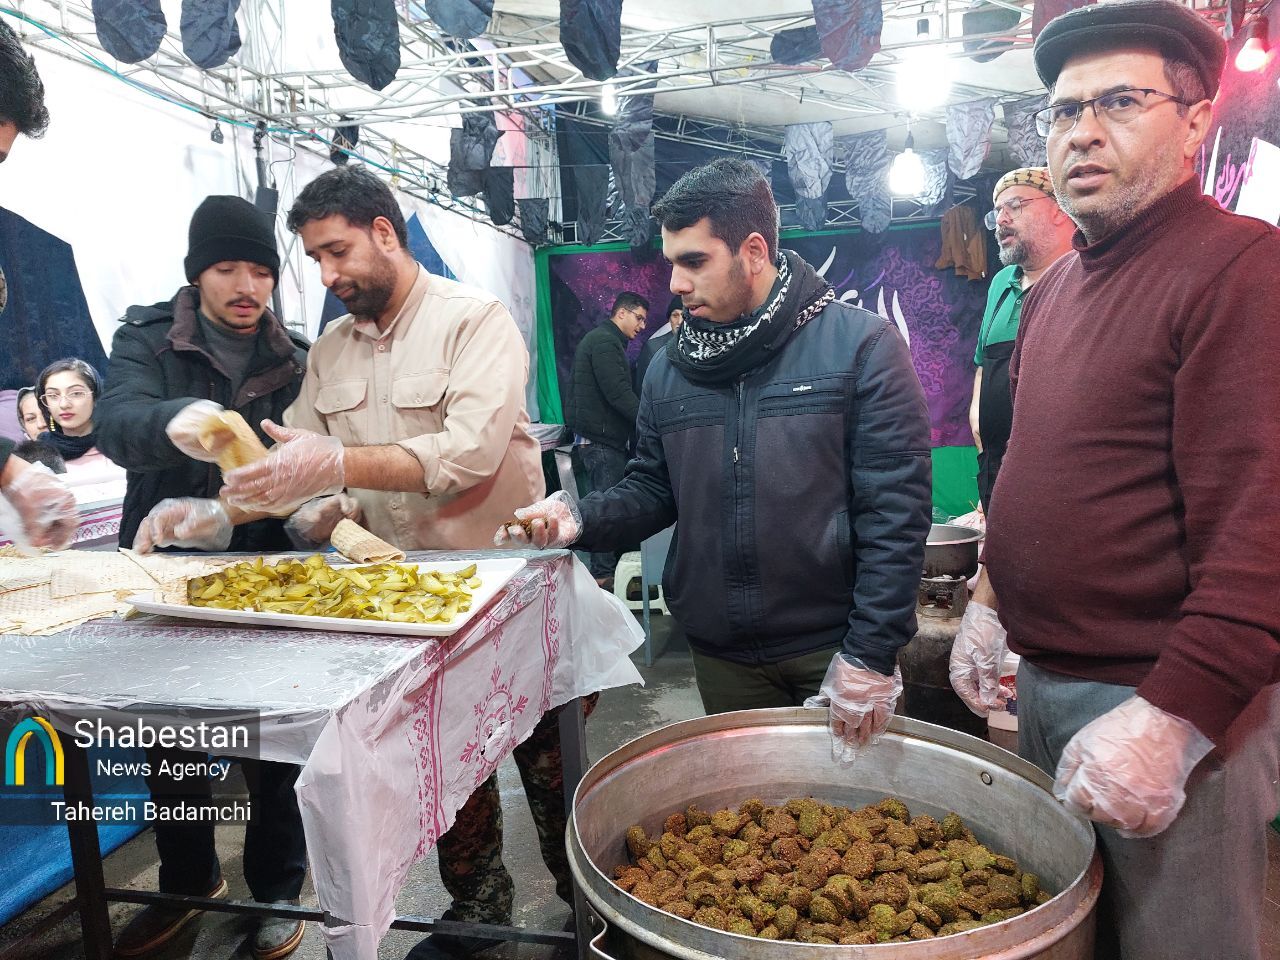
1132	527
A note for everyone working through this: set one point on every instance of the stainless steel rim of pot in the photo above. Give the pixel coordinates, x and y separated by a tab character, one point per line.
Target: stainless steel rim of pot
712	758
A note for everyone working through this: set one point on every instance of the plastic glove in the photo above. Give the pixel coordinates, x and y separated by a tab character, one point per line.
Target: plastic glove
188	522
976	659
312	523
41	510
184	429
553	522
1128	768
861	701
302	466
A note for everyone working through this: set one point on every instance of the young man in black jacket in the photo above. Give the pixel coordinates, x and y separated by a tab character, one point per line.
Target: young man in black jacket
788	433
213	346
603	405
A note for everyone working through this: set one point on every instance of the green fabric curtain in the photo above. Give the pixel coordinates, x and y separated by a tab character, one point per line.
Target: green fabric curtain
549	406
955	481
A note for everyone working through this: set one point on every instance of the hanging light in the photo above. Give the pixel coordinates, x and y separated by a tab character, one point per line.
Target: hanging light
924	72
609	99
1253	55
906	176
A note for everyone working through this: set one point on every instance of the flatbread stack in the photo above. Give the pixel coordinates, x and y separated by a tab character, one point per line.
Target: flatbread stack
360	546
228	437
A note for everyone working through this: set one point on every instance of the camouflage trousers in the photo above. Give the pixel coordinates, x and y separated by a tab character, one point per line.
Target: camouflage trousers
470	851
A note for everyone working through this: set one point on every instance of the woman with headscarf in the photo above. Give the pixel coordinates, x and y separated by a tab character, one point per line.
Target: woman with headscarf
30	418
67	390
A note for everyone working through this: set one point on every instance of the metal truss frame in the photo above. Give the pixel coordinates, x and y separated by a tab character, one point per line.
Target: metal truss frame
518	66
252	89
841	215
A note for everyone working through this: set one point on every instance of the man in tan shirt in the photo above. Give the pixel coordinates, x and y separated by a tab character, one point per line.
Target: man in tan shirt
414	403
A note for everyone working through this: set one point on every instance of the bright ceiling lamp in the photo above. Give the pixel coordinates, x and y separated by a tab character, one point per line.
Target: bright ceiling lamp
1253	55
609	99
906	176
924	72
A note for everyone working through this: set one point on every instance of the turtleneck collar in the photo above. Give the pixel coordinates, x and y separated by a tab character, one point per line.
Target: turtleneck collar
1138	234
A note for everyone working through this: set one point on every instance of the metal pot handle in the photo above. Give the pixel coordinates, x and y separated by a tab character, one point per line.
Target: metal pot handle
595	947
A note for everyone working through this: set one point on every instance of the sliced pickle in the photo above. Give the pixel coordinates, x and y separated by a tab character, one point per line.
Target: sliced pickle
393	592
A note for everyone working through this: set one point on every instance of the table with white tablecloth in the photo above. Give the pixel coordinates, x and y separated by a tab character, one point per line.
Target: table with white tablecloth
393	733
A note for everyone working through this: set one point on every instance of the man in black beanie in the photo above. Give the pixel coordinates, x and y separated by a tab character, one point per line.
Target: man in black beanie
214	346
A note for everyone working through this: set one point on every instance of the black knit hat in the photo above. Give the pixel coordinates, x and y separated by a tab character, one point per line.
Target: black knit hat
1176	31
230	228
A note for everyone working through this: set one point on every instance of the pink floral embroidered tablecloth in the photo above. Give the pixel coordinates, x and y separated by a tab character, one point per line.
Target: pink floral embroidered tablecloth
394	733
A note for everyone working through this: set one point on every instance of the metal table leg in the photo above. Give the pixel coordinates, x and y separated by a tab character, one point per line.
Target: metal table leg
573	754
86	855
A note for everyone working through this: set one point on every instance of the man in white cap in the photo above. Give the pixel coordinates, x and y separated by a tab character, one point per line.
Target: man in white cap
1032	232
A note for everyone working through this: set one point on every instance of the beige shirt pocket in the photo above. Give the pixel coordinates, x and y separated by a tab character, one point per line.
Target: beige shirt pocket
418	404
343	405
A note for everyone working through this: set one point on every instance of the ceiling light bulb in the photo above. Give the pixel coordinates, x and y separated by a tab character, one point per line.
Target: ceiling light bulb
609	99
906	176
1253	55
924	73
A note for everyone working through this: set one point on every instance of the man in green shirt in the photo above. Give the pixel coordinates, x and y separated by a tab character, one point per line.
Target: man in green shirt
1031	235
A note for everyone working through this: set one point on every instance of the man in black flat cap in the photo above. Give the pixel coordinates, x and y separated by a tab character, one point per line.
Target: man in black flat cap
1131	538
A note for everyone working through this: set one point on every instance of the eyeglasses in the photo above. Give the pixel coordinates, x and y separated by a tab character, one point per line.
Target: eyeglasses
1122	106
75	395
1012	207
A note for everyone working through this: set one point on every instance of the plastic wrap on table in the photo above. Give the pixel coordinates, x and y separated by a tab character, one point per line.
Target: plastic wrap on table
393	733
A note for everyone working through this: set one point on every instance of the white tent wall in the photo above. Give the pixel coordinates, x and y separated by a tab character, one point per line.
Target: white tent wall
489	259
120	171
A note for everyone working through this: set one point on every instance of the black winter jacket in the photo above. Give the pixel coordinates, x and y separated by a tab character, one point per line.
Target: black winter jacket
159	364
602	401
802	491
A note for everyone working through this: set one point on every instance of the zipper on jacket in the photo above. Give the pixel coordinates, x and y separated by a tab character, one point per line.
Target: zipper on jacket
737	428
738	570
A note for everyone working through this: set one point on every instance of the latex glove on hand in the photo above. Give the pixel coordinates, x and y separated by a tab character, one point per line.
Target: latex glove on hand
553	522
976	659
1128	768
184	429
300	467
187	522
861	701
41	512
312	524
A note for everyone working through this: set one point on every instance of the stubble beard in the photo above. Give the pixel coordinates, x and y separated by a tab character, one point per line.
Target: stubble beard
739	290
1099	217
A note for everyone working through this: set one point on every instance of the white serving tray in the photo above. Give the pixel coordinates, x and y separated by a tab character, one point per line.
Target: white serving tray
494	575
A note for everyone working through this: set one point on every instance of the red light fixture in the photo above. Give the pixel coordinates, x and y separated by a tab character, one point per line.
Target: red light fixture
1253	55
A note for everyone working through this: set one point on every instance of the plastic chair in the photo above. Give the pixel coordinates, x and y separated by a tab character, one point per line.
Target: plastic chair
629	572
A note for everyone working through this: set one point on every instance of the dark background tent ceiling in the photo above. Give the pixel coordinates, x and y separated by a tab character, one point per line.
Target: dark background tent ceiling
585	141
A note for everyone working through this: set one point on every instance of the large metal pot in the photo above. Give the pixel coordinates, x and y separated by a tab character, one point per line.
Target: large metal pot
776	754
951	551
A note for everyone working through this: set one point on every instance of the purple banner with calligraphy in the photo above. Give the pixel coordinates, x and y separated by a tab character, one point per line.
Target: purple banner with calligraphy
892	275
1239	162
